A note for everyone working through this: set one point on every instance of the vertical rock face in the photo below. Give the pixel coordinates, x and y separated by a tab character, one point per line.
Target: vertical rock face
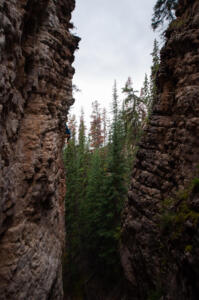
36	53
160	235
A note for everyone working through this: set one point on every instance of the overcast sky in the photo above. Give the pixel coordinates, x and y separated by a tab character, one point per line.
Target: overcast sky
116	42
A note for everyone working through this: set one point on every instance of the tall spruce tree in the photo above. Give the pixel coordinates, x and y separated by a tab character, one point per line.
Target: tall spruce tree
96	137
132	113
76	158
92	209
145	94
116	164
82	165
154	71
70	161
114	189
71	205
104	126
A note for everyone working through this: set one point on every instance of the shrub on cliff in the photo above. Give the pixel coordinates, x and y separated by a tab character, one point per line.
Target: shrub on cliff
163	10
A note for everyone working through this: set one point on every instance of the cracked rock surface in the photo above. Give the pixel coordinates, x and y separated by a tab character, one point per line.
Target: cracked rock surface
160	239
36	54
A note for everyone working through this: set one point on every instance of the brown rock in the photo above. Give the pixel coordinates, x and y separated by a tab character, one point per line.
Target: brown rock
161	257
36	53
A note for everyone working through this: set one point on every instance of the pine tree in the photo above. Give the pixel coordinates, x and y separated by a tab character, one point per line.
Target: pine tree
92	209
132	113
155	58
145	94
106	190
104	127
114	189
82	161
96	137
154	71
71	204
76	157
82	133
70	159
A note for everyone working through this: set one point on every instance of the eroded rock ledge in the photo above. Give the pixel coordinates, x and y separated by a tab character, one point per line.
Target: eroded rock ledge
36	53
160	237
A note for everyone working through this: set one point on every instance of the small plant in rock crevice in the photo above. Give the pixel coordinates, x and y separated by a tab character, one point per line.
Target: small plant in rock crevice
178	223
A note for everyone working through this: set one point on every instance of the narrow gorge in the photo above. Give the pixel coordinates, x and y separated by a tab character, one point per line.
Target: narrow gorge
159	237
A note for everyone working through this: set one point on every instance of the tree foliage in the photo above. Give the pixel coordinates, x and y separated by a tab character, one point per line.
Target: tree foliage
154	72
96	133
98	170
134	111
163	10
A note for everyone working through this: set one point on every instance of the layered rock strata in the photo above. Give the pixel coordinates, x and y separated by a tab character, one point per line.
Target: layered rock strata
36	54
160	234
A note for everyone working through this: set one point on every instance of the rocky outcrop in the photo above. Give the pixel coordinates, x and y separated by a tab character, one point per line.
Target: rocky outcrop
36	53
160	235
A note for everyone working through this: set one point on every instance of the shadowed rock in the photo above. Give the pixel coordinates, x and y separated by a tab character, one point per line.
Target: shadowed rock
36	53
160	239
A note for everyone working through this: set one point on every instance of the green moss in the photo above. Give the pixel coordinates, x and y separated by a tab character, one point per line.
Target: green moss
117	233
177	24
188	248
167	203
175	214
155	294
166	221
175	211
79	290
195	184
184	213
183	195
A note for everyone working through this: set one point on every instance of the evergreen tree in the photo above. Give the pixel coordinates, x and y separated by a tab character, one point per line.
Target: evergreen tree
96	137
154	71
97	183
104	126
163	10
106	190
71	204
92	209
70	159
82	163
114	189
145	95
76	159
82	133
132	113
116	165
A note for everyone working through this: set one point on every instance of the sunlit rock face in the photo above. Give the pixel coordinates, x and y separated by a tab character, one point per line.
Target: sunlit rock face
160	236
36	53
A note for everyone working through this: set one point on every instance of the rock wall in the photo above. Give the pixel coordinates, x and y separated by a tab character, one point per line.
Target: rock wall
160	234
36	53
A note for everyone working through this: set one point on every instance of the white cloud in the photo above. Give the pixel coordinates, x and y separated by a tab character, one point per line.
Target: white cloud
116	43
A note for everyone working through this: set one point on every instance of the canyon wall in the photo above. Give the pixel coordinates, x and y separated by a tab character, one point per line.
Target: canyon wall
160	233
36	54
